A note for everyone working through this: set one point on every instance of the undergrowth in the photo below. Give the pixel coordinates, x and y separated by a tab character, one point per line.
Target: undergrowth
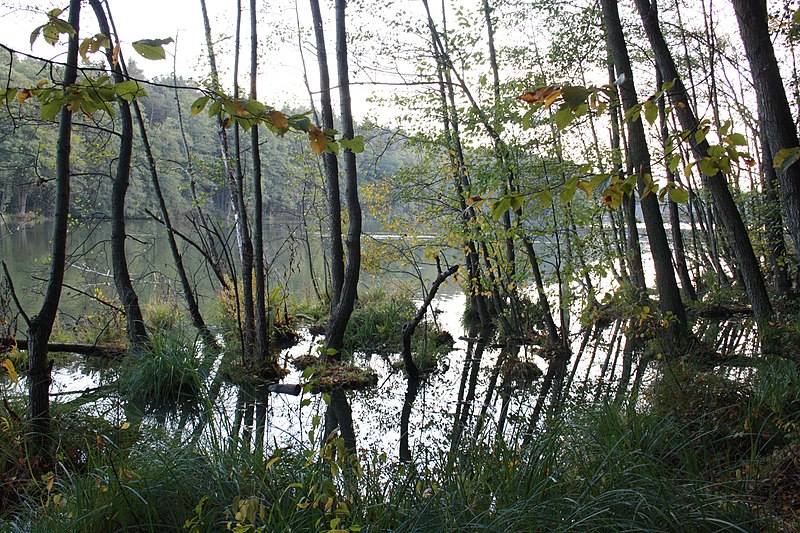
698	451
172	368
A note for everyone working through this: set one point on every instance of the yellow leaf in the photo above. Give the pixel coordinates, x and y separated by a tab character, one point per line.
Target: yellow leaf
546	95
115	55
585	187
278	120
318	140
12	372
126	425
239	109
23	95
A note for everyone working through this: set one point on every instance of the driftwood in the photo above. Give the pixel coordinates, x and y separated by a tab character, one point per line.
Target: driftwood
285	388
408	328
93	350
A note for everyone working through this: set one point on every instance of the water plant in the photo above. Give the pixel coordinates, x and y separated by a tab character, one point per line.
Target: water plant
610	467
172	368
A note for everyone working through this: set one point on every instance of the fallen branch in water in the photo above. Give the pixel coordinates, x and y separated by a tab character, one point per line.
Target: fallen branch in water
408	329
92	350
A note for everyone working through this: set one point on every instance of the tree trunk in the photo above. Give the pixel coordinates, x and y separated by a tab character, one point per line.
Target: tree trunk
634	249
776	116
674	218
716	184
41	324
639	158
245	241
262	325
461	182
344	307
777	255
246	330
408	329
137	333
329	163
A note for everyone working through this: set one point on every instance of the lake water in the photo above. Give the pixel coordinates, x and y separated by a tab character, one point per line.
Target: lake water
471	380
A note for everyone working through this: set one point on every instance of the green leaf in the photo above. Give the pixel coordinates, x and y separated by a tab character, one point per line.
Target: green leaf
50	34
500	208
563	117
215	108
35	34
600	182
51	109
708	167
687	171
129	90
650	112
255	108
152	48
632	114
700	135
9	93
355	145
526	118
785	158
738	139
545	197
300	122
199	104
674	161
574	95
568	191
679	195
62	26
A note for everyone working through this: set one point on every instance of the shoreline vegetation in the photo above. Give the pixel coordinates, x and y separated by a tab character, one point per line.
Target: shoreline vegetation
699	447
557	290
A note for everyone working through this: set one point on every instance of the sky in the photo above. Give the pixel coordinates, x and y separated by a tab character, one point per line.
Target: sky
281	74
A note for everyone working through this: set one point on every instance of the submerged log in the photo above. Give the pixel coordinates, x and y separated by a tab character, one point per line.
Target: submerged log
285	388
93	350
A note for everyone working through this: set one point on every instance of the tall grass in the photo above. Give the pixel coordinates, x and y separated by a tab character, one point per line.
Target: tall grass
172	368
686	457
608	468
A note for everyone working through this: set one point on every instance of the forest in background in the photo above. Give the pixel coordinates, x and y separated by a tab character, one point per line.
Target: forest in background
598	163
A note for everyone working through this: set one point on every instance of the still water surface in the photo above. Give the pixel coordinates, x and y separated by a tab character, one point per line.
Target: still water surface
469	380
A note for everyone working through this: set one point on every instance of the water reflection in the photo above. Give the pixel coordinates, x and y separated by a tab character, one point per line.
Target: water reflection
488	391
339	416
405	416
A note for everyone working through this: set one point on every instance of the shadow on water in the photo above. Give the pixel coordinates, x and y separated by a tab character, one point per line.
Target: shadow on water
405	416
488	391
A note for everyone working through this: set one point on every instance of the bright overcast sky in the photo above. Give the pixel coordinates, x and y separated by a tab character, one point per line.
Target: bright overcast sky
281	77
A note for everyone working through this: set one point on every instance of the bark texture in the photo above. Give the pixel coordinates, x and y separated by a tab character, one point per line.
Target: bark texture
717	184
639	161
776	115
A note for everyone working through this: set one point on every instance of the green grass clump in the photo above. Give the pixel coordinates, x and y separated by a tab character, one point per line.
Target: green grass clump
162	314
230	315
605	468
171	368
377	321
699	451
